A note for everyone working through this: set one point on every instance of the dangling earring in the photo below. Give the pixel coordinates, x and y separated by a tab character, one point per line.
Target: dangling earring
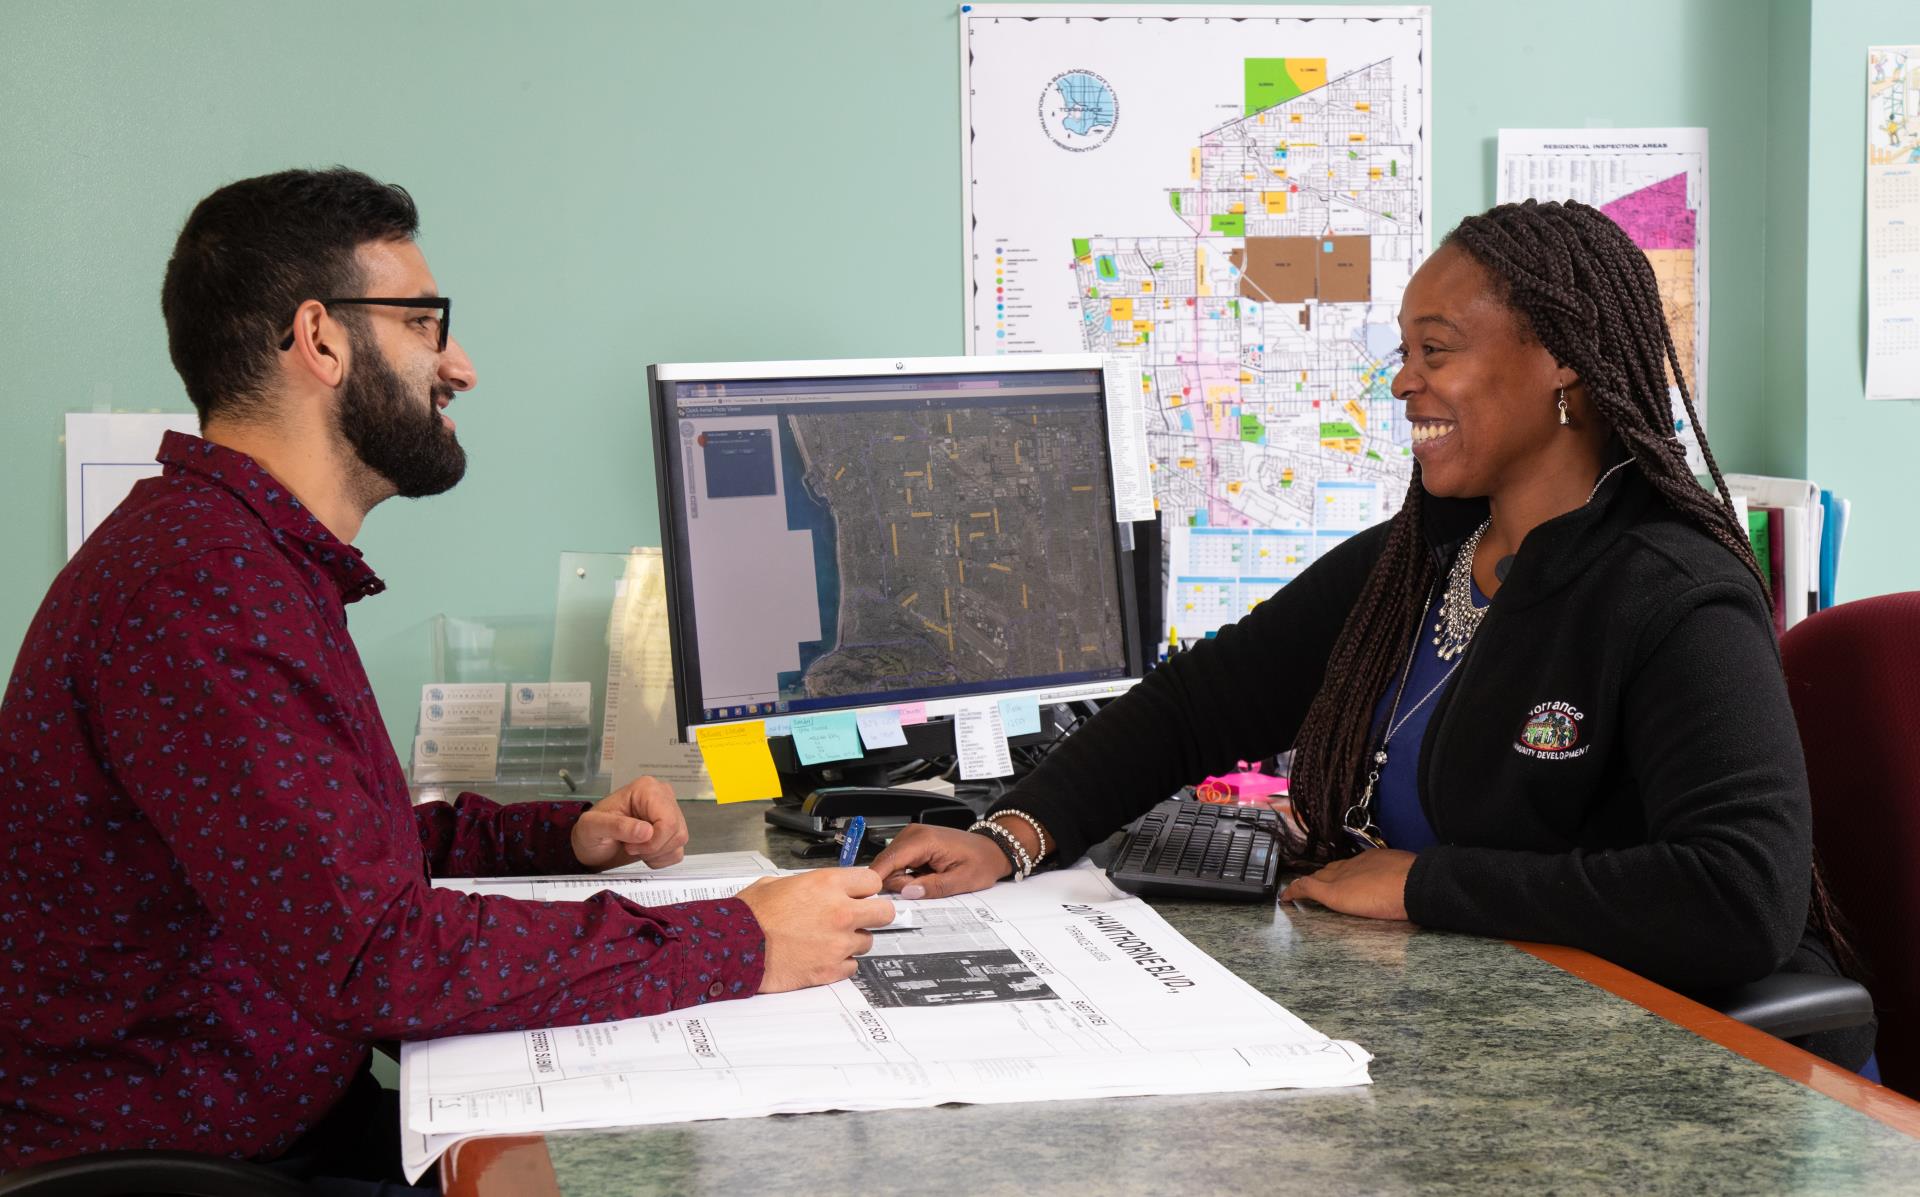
1562	404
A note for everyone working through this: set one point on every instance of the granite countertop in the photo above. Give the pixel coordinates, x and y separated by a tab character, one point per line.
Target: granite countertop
1493	1071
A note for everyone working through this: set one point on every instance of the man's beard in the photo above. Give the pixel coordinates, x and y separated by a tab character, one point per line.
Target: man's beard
390	432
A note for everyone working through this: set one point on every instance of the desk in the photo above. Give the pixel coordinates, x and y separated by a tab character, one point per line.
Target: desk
1495	1067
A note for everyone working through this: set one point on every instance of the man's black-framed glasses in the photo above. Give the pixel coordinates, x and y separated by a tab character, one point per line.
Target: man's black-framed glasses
441	303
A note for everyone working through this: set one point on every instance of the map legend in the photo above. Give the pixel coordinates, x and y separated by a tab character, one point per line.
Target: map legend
1011	328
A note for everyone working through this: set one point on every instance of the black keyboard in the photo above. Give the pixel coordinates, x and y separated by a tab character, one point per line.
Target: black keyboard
1188	849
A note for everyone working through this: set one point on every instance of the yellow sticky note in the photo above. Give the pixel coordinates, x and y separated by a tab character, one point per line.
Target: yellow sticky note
739	761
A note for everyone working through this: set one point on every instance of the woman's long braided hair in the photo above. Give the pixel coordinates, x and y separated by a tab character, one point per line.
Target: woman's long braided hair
1588	295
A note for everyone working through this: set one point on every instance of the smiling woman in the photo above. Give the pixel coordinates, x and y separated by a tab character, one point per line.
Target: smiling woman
1535	360
1508	707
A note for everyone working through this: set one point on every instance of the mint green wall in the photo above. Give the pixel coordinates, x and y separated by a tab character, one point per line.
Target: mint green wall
1783	343
1862	450
606	184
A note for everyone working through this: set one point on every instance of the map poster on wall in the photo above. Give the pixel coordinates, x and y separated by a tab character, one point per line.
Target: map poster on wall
1653	183
1238	196
1893	222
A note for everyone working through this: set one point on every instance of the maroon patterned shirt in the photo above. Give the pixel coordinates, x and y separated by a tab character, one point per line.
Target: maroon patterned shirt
214	892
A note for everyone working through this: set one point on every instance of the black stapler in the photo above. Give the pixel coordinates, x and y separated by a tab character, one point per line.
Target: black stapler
886	809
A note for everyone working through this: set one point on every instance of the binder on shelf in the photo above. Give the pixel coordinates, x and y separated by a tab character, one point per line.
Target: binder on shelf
1833	535
1796	544
1763	532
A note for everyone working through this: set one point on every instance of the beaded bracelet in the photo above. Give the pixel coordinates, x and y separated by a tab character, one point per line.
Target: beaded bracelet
1013	862
1006	836
1009	844
1040	833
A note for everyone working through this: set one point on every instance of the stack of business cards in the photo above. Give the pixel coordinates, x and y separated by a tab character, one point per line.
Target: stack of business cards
459	731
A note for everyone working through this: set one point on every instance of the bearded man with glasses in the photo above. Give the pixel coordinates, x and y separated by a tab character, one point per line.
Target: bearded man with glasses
215	893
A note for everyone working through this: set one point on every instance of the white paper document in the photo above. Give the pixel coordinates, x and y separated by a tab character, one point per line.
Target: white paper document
641	737
1060	987
980	741
1120	378
107	452
1653	184
1893	223
638	881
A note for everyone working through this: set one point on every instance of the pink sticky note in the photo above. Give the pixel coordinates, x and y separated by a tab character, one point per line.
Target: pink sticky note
913	712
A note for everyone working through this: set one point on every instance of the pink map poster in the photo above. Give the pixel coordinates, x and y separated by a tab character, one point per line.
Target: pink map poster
1653	183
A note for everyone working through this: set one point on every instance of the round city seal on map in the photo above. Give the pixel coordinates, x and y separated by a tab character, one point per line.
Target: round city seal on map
1078	111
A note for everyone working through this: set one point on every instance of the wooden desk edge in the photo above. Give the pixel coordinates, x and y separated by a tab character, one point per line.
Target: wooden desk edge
1877	1102
517	1164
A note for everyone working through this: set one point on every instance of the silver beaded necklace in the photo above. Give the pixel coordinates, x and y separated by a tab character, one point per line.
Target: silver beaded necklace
1459	620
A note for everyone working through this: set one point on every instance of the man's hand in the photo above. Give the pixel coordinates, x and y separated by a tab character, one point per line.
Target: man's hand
945	861
1372	885
639	821
816	923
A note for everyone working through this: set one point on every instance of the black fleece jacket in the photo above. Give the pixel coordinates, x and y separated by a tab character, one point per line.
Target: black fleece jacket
1658	814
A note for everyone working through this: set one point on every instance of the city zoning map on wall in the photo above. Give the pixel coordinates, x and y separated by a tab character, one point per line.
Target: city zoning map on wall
1653	184
1235	197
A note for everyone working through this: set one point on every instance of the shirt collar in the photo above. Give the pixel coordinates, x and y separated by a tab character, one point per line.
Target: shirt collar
284	515
1557	551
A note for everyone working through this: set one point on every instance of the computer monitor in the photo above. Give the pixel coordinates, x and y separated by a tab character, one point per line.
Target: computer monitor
850	535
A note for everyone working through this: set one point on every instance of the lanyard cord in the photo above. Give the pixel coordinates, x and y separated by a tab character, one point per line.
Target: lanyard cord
1358	819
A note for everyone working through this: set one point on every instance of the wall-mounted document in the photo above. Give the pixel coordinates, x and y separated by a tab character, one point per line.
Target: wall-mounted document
1216	575
1125	386
1653	184
1234	198
1060	987
1893	223
106	454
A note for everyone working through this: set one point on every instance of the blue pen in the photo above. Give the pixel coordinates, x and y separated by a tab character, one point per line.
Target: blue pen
850	841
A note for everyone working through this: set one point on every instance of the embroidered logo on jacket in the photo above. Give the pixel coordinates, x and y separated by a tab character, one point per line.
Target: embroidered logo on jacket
1551	732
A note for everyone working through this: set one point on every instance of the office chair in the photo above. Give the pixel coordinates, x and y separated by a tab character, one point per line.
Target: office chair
149	1174
1853	674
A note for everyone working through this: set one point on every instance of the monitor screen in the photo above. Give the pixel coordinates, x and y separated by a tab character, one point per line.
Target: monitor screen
850	534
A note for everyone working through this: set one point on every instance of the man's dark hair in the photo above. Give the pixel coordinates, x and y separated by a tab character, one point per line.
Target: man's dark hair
254	251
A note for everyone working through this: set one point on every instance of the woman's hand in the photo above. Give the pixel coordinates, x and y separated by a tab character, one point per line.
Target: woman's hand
945	862
1372	885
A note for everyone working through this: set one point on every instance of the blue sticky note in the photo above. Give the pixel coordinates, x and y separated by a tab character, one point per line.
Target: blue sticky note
881	729
1020	716
822	738
782	726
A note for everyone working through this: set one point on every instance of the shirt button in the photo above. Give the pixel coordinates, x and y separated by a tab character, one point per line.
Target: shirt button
716	989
